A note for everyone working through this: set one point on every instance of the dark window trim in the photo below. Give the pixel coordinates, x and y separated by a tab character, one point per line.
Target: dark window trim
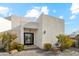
32	38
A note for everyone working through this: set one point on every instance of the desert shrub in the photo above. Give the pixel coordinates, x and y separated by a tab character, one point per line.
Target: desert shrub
65	41
69	43
17	46
13	46
6	47
20	47
47	46
7	39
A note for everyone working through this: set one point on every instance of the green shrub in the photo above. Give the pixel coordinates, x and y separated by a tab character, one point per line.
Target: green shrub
69	43
17	46
20	47
47	46
65	41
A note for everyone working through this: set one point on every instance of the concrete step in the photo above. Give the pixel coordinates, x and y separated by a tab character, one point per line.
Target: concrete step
30	47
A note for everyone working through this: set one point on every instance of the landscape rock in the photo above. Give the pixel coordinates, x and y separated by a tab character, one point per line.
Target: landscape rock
13	51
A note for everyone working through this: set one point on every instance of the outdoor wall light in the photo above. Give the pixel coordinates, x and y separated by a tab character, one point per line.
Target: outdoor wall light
44	31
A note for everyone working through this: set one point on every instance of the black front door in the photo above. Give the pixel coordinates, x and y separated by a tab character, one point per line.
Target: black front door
28	38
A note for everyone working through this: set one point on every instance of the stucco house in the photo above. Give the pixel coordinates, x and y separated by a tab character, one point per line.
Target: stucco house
43	30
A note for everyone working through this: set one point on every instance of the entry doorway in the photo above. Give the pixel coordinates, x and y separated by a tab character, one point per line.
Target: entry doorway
28	38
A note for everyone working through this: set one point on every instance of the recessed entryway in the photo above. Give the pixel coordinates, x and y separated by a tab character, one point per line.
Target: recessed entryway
28	38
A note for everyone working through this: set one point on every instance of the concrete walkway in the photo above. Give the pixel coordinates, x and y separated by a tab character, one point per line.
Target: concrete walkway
35	52
38	52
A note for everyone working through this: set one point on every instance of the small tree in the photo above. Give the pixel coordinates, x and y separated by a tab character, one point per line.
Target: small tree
7	39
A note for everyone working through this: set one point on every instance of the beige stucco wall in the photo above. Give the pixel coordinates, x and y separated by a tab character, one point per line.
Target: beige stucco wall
33	25
39	32
18	20
18	23
20	36
53	27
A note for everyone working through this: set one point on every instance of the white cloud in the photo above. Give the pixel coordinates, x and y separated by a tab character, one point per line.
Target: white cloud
4	11
4	24
61	17
32	13
36	11
72	17
44	10
74	8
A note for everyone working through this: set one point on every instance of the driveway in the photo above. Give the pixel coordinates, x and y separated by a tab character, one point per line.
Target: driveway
38	52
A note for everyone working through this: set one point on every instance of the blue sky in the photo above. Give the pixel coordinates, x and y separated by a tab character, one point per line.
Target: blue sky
67	11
